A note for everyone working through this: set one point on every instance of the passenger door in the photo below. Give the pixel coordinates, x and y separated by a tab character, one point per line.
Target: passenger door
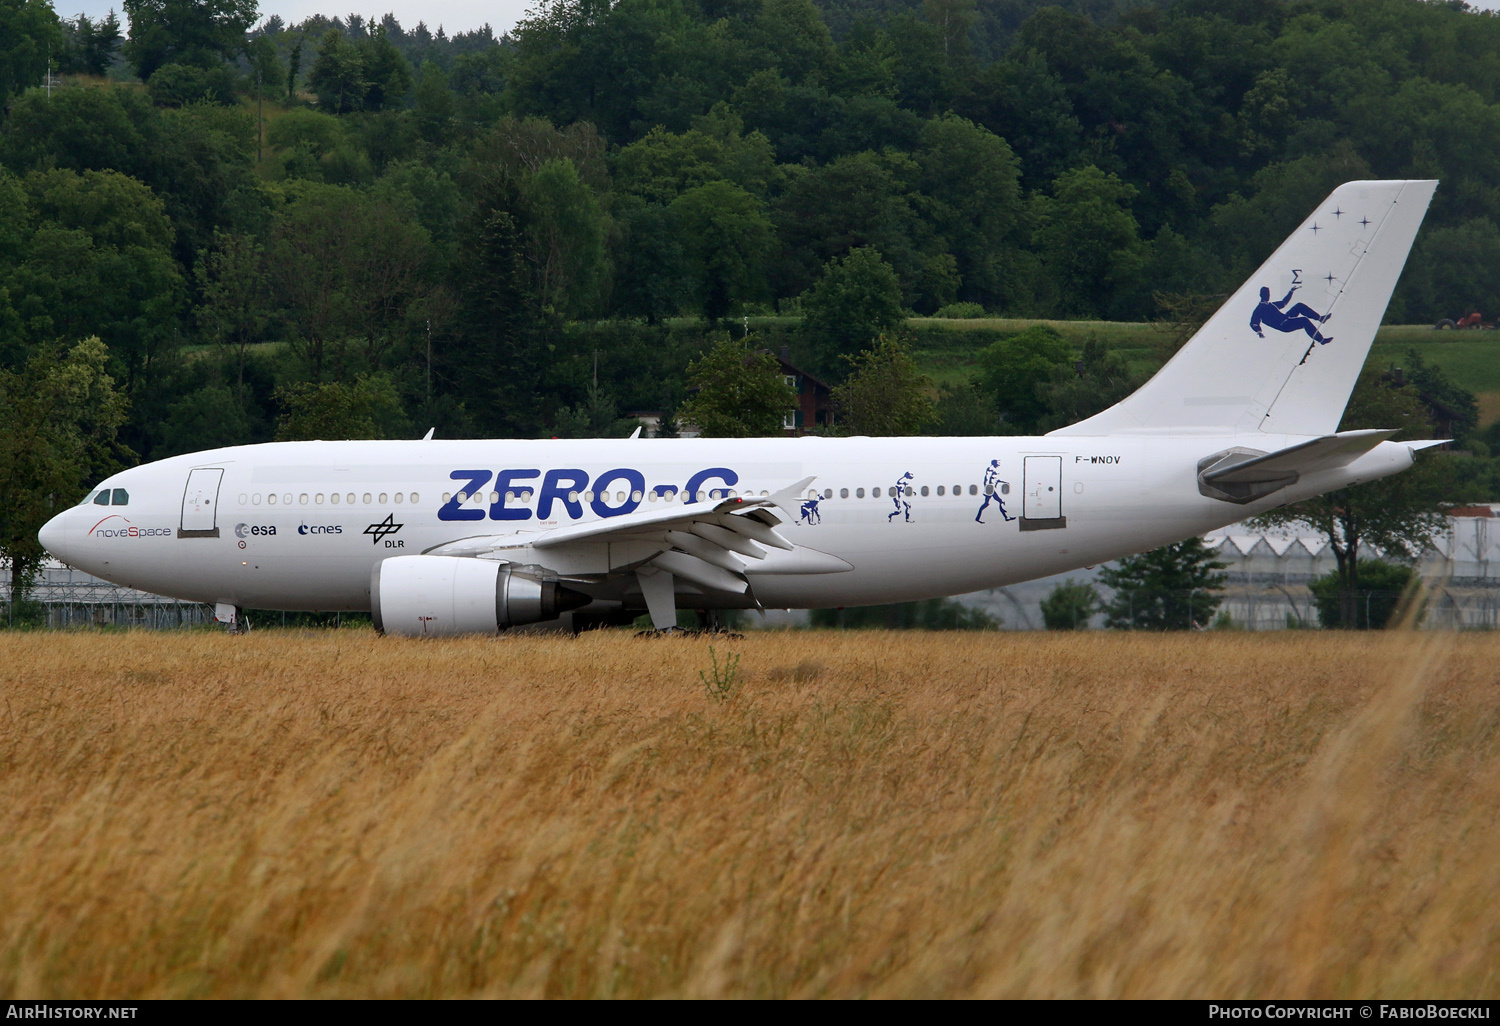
1041	506
200	504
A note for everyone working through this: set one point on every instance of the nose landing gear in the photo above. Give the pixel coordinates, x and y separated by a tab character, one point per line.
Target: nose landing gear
232	616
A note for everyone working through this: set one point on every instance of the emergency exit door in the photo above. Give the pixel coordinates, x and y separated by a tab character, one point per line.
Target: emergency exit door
200	504
1041	499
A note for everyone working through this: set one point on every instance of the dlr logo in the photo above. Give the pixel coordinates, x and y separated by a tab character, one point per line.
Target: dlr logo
566	487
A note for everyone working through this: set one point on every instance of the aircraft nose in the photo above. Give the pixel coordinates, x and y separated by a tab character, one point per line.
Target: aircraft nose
53	536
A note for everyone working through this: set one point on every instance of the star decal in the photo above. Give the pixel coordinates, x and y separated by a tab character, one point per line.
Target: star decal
1329	278
1314	229
1337	212
1364	222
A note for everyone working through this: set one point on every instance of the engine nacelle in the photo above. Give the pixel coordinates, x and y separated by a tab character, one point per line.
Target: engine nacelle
437	596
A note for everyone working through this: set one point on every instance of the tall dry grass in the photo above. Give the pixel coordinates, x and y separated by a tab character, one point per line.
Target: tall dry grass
878	814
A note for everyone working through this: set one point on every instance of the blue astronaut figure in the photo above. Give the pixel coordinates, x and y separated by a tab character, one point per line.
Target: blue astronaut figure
898	499
1299	318
992	489
809	512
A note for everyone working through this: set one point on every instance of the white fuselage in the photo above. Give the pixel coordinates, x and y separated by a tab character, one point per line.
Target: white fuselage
301	525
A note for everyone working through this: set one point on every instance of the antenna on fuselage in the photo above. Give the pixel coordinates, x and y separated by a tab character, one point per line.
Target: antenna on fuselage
428	436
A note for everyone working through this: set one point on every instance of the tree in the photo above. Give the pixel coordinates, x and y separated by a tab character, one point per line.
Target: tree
100	263
1398	514
235	286
1069	606
598	416
1089	243
349	266
738	392
492	365
436	106
1100	379
1015	371
856	298
967	409
62	414
566	239
337	74
29	32
885	394
91	46
726	240
651	277
971	194
387	75
1381	587
366	408
1173	588
197	32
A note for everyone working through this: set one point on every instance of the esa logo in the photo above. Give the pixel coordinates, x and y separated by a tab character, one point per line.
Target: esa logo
245	530
320	529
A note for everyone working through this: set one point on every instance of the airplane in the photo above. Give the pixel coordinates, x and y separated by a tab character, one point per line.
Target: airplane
438	537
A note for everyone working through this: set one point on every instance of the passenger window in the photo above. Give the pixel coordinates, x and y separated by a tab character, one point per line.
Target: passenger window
859	493
875	492
843	493
973	489
121	498
398	497
924	491
414	498
102	499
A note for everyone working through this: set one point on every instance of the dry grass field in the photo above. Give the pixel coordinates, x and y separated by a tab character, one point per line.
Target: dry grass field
867	814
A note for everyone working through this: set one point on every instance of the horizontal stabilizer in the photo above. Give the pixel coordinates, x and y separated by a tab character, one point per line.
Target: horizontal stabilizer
1242	475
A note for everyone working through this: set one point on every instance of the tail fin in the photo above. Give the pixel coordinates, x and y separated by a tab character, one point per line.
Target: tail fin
1282	354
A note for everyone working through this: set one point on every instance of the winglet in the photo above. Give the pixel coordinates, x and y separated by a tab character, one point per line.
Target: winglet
637	432
1428	443
428	436
788	498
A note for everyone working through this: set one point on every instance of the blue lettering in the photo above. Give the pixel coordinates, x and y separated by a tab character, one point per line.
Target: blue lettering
450	509
503	481
556	485
601	484
696	482
664	490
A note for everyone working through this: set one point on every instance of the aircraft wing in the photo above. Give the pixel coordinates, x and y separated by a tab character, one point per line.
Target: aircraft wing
716	544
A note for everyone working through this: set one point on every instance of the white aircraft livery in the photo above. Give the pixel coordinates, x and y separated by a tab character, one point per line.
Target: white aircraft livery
457	537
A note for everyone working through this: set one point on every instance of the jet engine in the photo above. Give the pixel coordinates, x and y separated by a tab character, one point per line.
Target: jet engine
437	596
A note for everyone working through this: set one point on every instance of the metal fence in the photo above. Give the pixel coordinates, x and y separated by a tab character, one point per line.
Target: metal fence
64	597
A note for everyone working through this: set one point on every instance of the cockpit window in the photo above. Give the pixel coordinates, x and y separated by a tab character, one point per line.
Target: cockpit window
102	499
121	498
